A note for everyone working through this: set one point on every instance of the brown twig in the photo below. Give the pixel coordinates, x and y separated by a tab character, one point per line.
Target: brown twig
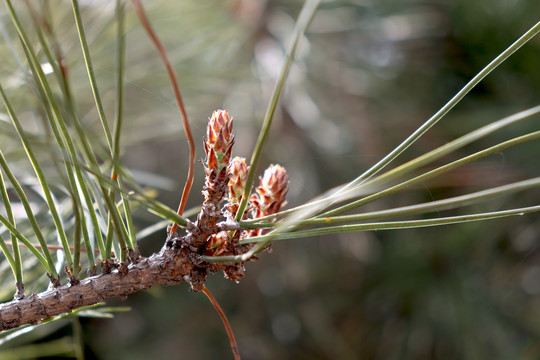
169	267
189	181
221	313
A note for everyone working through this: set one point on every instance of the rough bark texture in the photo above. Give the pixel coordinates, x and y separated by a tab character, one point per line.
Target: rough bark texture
172	265
214	190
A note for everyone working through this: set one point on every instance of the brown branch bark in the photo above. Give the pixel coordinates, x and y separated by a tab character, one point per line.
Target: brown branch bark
171	266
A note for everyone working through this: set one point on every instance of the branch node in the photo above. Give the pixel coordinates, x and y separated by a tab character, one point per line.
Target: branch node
92	271
72	279
108	265
134	255
19	294
123	268
55	282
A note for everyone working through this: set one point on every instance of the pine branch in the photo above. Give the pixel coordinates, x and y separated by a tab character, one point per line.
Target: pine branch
175	263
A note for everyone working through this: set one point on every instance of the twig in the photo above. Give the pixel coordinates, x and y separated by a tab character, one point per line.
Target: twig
189	181
169	267
221	313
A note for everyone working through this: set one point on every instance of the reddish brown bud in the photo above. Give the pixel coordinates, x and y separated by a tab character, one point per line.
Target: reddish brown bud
219	141
269	196
238	171
217	244
238	175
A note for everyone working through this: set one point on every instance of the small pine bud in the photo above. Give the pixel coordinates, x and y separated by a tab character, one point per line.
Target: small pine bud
217	244
238	171
218	142
269	196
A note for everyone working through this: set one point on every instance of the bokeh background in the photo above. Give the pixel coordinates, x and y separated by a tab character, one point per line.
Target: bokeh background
367	74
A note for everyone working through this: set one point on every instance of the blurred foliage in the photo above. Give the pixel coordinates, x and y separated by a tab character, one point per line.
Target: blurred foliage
367	74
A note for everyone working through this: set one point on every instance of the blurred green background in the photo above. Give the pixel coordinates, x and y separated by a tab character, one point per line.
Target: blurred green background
367	74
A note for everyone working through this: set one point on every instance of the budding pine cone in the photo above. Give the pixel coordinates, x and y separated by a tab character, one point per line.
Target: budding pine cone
269	196
218	147
238	171
224	175
218	144
219	243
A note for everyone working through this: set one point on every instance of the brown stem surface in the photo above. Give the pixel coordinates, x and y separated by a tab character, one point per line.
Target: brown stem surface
169	267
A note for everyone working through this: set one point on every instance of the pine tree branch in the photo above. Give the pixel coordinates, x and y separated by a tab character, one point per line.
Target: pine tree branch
175	263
